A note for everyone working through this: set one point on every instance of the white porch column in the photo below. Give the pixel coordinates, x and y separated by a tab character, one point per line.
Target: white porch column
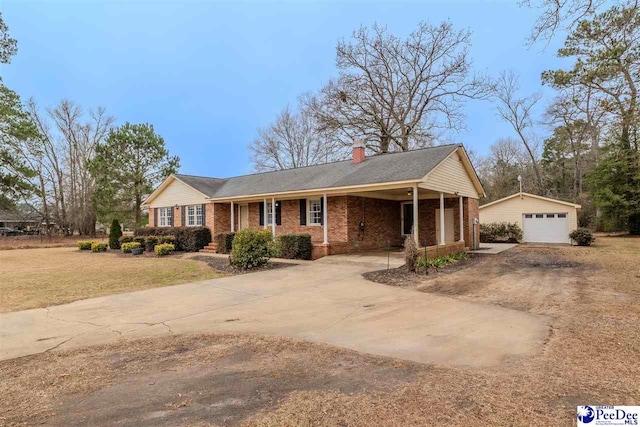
265	214
325	225
415	214
442	241
461	220
273	217
233	218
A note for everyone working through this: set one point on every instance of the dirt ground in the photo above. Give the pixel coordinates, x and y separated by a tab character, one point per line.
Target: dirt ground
33	278
589	358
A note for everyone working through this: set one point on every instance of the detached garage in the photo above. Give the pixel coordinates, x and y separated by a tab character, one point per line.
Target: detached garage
543	220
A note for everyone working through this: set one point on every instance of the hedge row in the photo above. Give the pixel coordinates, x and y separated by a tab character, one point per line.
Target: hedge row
187	239
290	246
500	232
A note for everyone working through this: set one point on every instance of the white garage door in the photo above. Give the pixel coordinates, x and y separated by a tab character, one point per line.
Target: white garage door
546	228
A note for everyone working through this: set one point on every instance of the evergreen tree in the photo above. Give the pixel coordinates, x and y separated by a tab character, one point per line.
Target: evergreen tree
115	232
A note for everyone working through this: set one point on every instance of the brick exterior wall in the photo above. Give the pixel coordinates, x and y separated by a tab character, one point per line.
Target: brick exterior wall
152	213
382	220
471	210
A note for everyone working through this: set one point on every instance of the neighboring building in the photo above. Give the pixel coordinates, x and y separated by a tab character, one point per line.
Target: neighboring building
543	220
358	204
22	218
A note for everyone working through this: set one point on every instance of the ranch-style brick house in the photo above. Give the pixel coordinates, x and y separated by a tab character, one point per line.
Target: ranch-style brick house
359	204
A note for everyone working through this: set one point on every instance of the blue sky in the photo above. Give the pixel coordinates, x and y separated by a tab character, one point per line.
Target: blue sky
208	74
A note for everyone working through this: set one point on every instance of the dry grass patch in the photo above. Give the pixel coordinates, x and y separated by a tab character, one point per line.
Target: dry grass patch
33	278
591	294
32	242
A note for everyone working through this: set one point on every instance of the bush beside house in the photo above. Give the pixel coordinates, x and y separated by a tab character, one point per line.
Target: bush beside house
129	246
188	239
294	246
224	242
251	248
500	232
164	249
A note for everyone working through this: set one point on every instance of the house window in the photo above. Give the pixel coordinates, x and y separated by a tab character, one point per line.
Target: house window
269	213
315	212
194	215
164	217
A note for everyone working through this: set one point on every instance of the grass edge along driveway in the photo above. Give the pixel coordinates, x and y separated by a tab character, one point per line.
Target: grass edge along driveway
36	278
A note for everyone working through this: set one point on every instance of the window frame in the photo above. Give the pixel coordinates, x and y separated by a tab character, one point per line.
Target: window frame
318	211
270	214
168	212
195	216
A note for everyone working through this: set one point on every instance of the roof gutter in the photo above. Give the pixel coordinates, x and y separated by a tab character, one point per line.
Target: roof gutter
314	191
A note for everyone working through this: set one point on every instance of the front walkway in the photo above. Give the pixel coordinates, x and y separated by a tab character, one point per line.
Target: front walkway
325	301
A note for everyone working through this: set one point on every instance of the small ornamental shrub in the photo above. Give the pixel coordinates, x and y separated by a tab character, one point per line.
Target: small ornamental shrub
98	247
115	233
127	247
150	242
164	249
295	246
85	246
126	239
441	261
582	236
250	248
500	232
410	253
139	239
224	242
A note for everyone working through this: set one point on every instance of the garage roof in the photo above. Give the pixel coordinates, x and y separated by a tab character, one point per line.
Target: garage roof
560	202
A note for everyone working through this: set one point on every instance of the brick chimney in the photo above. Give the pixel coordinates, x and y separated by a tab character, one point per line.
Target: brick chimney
358	151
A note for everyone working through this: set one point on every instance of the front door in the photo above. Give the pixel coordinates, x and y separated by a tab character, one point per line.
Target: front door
448	226
244	216
407	218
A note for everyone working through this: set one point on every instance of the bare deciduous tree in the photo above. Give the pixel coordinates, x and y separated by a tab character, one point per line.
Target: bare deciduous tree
517	111
559	14
66	145
398	93
292	141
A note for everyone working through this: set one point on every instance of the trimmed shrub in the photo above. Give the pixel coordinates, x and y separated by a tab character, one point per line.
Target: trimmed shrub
126	239
500	232
139	239
224	242
275	248
167	239
98	247
85	246
188	239
164	249
410	253
250	248
150	243
582	236
127	247
295	246
115	233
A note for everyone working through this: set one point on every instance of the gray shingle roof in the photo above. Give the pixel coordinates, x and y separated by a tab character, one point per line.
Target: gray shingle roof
404	166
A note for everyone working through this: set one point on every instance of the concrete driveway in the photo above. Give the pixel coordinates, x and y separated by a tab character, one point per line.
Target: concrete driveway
325	301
